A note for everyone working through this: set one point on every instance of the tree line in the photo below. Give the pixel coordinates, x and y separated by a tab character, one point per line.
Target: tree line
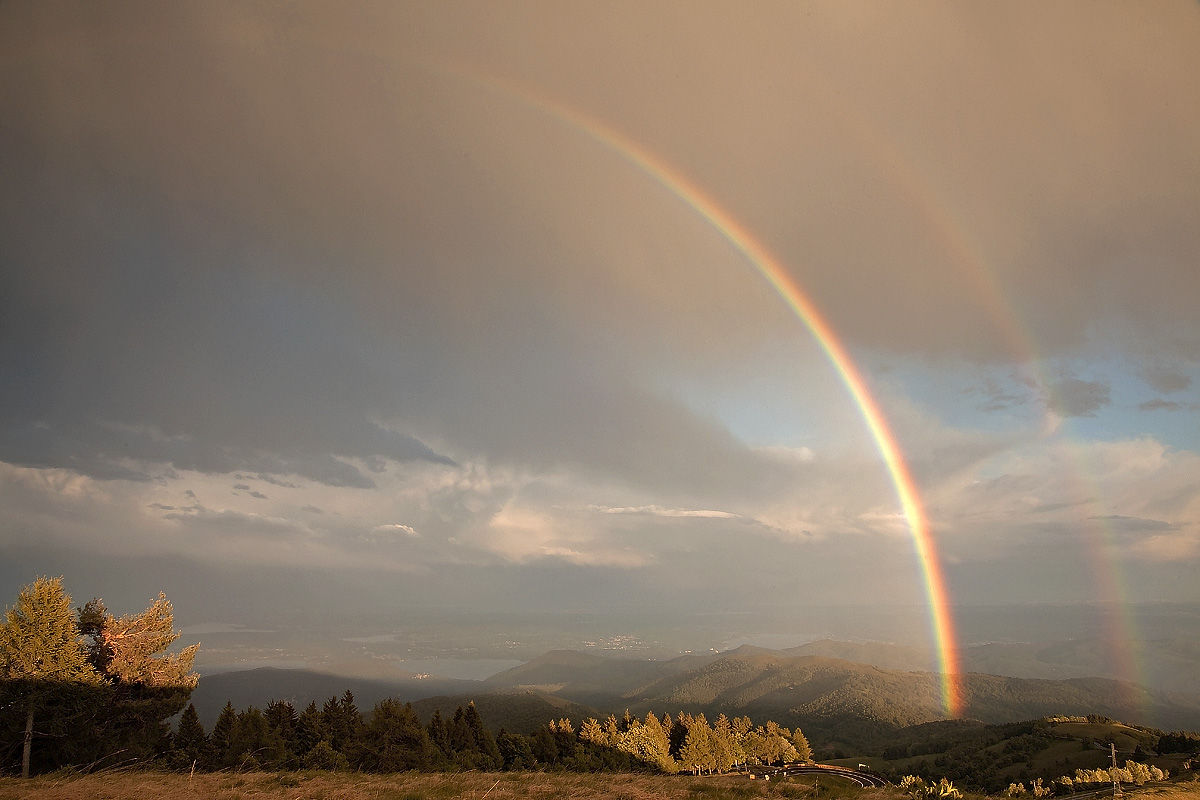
392	738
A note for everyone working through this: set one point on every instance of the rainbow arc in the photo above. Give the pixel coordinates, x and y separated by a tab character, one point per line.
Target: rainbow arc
772	270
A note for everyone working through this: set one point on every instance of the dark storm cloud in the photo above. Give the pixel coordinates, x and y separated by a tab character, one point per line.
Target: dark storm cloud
192	293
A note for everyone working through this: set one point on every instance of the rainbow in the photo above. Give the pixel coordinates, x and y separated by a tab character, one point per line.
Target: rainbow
772	270
968	253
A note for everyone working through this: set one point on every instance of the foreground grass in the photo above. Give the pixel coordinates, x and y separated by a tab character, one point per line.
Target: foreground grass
417	786
443	786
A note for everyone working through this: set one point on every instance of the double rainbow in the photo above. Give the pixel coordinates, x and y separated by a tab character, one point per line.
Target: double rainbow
771	269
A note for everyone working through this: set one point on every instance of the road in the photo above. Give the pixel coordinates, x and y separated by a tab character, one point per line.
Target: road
797	768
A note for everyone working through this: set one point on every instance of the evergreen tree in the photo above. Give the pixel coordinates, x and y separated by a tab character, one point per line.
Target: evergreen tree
132	648
439	734
726	750
567	743
219	739
310	729
395	741
516	751
803	749
658	743
471	745
282	723
458	733
344	723
190	744
323	756
592	731
144	685
545	746
41	658
697	751
249	740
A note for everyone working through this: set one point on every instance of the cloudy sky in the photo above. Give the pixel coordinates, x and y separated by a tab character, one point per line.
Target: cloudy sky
304	307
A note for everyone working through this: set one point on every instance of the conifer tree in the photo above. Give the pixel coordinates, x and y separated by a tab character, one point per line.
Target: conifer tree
803	749
395	740
516	751
310	729
481	740
344	724
334	723
697	751
658	743
592	731
250	741
219	739
282	723
41	657
439	734
545	746
132	648
189	745
726	750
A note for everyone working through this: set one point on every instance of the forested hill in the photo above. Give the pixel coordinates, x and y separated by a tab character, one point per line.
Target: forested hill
833	695
788	684
831	699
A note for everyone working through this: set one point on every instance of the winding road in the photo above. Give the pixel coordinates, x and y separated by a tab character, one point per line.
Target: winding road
864	779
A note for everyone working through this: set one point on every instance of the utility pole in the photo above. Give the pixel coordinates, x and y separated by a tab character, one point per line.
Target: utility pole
1116	783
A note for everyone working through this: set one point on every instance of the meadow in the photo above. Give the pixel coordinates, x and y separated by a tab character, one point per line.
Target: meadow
139	785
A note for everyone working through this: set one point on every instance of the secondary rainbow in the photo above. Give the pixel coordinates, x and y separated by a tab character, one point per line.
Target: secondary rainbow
770	267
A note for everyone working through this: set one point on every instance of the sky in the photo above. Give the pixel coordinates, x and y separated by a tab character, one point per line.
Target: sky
316	314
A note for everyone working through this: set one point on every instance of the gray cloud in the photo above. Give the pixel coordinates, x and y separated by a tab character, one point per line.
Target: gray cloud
1165	379
1137	524
1161	404
1073	397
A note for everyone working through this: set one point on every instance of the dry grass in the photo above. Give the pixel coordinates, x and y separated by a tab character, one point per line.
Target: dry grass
442	786
408	786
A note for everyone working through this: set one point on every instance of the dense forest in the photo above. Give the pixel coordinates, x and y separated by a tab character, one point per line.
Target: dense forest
392	738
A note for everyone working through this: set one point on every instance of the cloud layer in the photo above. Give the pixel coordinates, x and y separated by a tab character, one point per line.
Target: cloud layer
307	290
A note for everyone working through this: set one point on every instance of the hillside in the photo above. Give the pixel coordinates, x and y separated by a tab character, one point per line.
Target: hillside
832	699
1168	663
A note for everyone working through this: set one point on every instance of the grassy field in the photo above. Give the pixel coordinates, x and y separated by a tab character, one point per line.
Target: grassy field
420	786
442	786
